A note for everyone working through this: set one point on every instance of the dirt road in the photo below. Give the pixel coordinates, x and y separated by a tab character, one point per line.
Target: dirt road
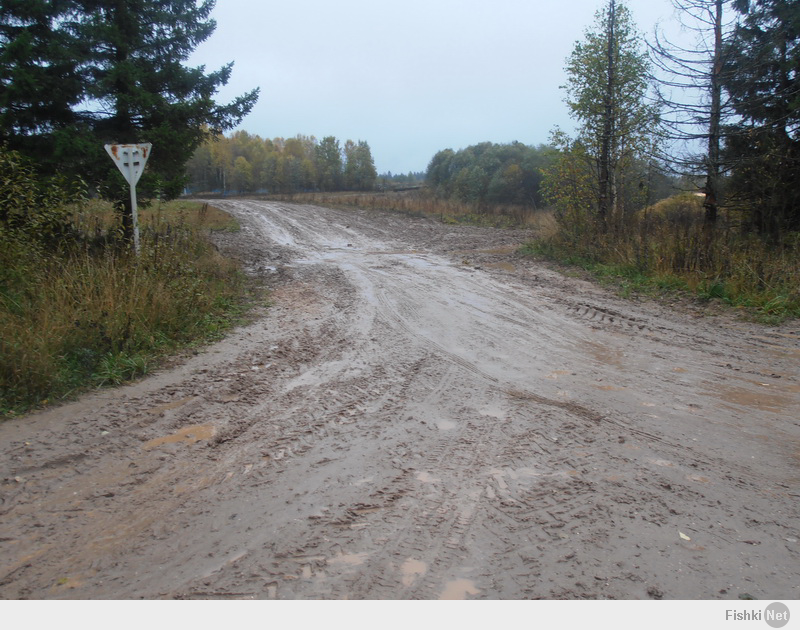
421	415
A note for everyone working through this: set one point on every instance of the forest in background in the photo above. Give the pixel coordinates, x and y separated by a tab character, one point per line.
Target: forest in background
243	163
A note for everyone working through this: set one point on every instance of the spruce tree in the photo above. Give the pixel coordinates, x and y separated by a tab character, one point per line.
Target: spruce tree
143	92
40	82
127	57
764	85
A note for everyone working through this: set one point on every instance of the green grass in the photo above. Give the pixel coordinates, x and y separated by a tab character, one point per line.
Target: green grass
627	279
92	314
760	279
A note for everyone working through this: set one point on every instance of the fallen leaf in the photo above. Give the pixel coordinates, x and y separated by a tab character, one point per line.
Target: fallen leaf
684	536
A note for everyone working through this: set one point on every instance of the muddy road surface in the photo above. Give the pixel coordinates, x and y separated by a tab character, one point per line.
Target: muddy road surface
420	414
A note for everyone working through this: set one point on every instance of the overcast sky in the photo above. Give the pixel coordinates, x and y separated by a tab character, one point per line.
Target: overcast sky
410	77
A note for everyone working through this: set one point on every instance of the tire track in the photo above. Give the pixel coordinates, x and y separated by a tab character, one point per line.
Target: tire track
401	426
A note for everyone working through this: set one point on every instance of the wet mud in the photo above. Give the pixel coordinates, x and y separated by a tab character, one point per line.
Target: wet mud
420	415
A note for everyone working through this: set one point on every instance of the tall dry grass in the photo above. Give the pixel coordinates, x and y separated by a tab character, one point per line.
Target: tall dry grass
424	203
664	247
94	313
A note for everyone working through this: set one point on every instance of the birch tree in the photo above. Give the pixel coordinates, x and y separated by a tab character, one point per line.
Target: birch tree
607	83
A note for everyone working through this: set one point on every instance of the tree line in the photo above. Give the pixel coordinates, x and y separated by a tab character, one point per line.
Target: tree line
517	174
490	173
389	180
717	108
247	163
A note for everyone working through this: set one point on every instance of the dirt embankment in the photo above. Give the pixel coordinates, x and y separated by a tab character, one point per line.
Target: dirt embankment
420	415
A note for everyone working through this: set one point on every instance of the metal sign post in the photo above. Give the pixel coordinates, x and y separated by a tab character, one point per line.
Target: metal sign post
130	160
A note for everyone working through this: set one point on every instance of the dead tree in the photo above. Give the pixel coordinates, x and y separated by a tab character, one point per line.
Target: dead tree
689	89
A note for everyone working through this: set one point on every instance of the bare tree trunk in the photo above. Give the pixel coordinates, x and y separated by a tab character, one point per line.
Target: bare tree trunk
713	168
606	194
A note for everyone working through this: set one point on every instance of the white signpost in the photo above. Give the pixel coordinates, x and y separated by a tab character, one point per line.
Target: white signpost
130	160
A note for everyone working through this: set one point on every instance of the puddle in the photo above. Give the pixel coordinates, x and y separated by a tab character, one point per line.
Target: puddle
411	570
393	252
187	435
459	589
505	249
502	266
605	355
765	400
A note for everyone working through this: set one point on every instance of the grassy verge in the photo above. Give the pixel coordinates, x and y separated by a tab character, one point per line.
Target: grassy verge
627	279
93	314
661	255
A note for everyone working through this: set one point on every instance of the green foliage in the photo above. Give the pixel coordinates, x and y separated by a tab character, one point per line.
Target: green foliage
40	82
607	78
30	208
601	183
359	168
242	179
606	88
568	186
763	81
328	156
391	180
490	173
245	163
115	369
